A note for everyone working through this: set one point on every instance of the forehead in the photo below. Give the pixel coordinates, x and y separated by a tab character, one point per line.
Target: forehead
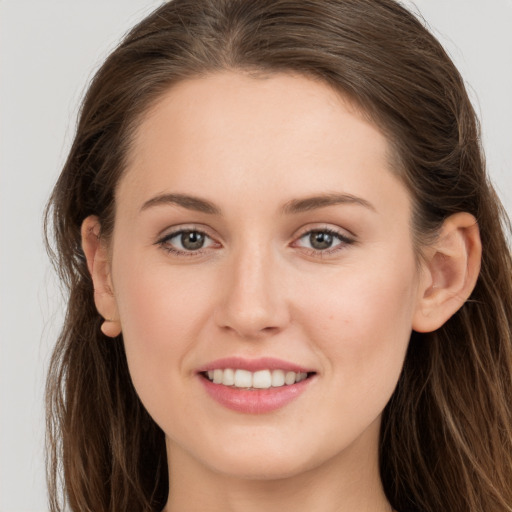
263	133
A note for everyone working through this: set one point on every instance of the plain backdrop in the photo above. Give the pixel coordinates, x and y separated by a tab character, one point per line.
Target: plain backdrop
48	52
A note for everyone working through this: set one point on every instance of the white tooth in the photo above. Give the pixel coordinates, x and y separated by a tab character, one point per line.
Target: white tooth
290	378
300	376
243	379
210	374
261	379
217	376
277	378
229	377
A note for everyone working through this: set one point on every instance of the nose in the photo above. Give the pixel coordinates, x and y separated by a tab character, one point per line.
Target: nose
253	303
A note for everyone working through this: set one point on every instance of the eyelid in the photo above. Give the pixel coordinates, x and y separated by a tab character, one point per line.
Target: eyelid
345	237
330	228
168	233
169	230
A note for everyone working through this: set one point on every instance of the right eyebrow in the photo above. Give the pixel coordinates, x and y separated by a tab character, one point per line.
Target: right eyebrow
185	201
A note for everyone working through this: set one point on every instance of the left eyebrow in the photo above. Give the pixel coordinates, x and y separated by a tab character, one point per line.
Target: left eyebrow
323	200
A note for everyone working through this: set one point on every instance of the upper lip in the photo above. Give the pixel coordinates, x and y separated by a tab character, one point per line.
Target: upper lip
253	365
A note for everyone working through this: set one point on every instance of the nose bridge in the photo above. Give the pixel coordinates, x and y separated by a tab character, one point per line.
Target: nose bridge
253	300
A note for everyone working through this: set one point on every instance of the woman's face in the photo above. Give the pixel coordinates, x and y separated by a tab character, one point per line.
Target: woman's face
260	228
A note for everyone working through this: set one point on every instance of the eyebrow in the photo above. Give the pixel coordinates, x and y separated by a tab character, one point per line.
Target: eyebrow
183	200
291	207
322	201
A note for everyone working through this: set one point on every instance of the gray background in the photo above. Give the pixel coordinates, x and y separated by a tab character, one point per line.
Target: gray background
48	52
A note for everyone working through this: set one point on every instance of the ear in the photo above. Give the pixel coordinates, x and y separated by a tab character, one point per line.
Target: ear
450	272
98	263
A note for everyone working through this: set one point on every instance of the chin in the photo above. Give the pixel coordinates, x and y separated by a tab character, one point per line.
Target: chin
249	456
265	468
270	457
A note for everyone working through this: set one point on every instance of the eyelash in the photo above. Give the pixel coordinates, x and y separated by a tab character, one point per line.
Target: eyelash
343	240
164	242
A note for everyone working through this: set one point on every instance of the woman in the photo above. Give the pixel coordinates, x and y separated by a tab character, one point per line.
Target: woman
289	281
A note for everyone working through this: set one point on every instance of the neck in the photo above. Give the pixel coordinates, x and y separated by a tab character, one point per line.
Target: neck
349	482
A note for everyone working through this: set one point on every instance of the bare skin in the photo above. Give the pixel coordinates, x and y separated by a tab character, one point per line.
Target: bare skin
260	217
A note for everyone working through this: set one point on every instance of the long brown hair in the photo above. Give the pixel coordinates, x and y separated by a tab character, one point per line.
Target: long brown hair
446	438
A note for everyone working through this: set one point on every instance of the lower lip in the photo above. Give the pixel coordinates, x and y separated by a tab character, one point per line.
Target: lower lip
254	401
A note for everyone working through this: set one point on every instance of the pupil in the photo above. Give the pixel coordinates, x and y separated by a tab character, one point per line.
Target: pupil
320	240
192	240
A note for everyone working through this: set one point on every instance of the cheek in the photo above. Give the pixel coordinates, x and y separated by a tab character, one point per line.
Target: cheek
159	302
161	313
362	323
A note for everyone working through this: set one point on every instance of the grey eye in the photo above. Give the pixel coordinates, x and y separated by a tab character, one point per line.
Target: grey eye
187	241
191	240
323	240
320	240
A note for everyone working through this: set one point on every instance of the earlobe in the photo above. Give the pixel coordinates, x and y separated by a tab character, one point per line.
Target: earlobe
450	272
98	263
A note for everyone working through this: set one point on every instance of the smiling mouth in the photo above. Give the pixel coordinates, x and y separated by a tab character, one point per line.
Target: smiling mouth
262	379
